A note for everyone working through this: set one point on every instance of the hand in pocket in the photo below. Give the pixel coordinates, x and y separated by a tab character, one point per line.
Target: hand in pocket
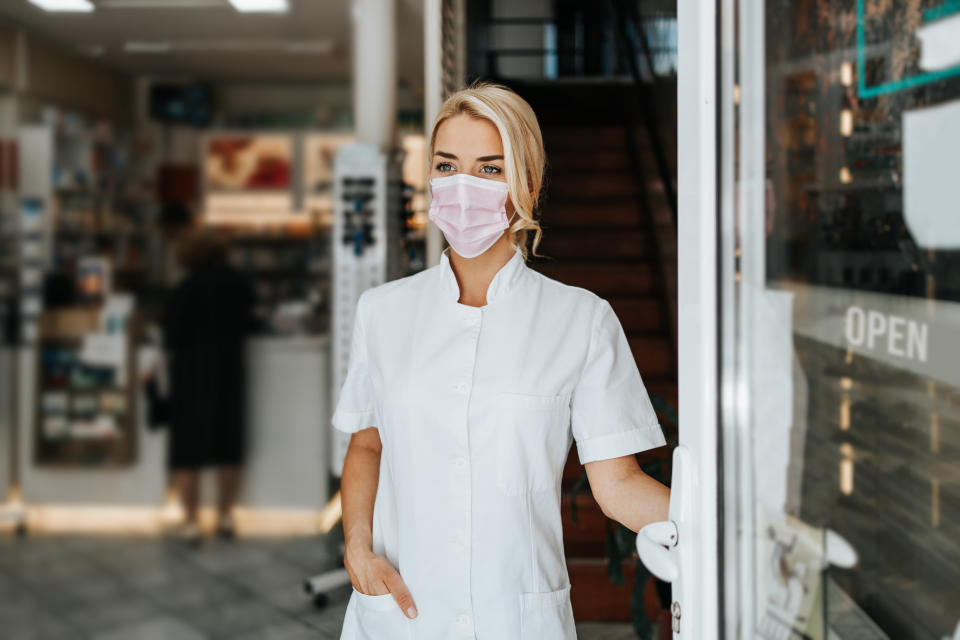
373	575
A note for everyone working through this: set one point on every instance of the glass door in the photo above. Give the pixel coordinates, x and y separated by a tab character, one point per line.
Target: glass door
839	299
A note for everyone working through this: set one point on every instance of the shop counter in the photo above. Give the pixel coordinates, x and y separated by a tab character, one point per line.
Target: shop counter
285	480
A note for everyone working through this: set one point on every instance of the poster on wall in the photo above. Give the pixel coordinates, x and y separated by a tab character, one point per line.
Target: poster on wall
249	177
248	163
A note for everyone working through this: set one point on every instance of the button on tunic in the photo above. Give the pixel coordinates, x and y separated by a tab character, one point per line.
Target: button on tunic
477	408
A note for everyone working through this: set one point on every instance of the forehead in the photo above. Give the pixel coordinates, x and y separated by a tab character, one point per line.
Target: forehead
466	136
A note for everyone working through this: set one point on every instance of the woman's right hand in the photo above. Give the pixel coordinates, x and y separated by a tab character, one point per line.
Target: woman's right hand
373	575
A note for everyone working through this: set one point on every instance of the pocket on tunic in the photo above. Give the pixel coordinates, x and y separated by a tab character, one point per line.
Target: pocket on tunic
547	614
380	618
532	441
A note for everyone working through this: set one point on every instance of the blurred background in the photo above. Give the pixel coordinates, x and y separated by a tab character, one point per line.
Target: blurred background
142	139
251	166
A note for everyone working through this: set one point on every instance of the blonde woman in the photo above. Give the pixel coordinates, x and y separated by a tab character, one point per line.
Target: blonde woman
466	387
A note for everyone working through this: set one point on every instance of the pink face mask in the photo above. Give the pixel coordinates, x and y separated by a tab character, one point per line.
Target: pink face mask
470	212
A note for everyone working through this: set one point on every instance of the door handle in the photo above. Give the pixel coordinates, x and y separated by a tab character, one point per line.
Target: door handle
653	543
656	540
838	552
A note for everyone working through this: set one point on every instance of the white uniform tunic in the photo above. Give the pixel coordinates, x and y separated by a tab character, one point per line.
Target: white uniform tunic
477	408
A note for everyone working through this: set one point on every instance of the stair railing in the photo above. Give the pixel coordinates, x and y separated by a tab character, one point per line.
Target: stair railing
628	20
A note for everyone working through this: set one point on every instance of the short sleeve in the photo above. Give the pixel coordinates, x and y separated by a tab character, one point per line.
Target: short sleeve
354	410
611	413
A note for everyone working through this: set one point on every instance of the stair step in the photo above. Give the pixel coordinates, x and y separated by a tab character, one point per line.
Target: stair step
663	386
620	185
653	354
603	278
572	470
596	102
639	314
595	597
581	136
597	244
560	212
585	538
562	160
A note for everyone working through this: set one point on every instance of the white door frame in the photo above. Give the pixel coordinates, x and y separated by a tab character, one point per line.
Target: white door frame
697	592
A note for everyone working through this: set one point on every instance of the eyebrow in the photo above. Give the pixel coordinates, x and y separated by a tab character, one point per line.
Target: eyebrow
444	154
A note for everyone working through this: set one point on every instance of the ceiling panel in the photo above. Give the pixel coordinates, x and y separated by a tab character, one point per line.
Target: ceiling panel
208	37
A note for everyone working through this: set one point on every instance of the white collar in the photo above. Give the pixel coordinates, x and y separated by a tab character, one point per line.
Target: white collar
503	280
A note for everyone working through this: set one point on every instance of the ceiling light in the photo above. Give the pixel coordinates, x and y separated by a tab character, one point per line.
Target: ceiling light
82	6
251	6
160	4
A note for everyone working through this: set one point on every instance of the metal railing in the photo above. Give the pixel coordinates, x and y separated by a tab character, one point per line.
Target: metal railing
630	21
611	39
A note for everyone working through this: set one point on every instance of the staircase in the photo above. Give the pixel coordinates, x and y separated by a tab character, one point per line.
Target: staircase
607	231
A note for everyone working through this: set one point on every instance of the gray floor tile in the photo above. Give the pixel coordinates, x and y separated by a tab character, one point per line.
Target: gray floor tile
291	630
92	593
269	578
329	617
40	628
232	618
290	598
198	593
105	617
232	558
85	587
19	603
163	576
164	628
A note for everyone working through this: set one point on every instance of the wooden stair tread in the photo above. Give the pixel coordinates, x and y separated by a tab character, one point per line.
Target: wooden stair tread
594	596
600	244
598	235
639	314
611	278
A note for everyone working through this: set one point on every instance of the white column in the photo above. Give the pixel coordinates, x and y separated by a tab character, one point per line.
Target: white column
374	71
433	98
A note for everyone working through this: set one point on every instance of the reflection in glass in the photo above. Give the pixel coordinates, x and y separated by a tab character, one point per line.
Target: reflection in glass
861	233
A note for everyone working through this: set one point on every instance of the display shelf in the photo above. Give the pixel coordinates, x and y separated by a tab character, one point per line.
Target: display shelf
85	409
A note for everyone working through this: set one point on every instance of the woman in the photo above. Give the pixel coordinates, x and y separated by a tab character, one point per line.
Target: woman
205	324
467	384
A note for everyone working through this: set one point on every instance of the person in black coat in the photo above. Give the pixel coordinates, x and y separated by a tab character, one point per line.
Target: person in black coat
206	321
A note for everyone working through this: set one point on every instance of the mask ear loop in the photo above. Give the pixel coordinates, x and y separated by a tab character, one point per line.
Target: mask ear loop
510	221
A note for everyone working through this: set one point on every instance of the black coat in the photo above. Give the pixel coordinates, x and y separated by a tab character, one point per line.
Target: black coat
206	320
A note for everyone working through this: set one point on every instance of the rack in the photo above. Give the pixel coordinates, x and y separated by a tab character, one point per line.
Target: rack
85	404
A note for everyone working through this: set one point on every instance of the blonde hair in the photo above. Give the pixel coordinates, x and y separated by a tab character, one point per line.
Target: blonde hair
523	154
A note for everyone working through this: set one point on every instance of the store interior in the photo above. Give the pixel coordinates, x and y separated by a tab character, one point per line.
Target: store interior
128	130
294	132
126	127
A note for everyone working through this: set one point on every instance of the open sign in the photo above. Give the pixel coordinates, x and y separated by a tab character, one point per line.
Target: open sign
898	336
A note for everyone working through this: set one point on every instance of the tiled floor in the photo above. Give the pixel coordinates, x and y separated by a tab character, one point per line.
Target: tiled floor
150	589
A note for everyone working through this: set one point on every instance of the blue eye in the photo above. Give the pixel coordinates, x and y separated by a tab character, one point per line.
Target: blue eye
443	167
490	166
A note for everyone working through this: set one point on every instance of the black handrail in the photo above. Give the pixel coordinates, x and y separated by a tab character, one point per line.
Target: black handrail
627	17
